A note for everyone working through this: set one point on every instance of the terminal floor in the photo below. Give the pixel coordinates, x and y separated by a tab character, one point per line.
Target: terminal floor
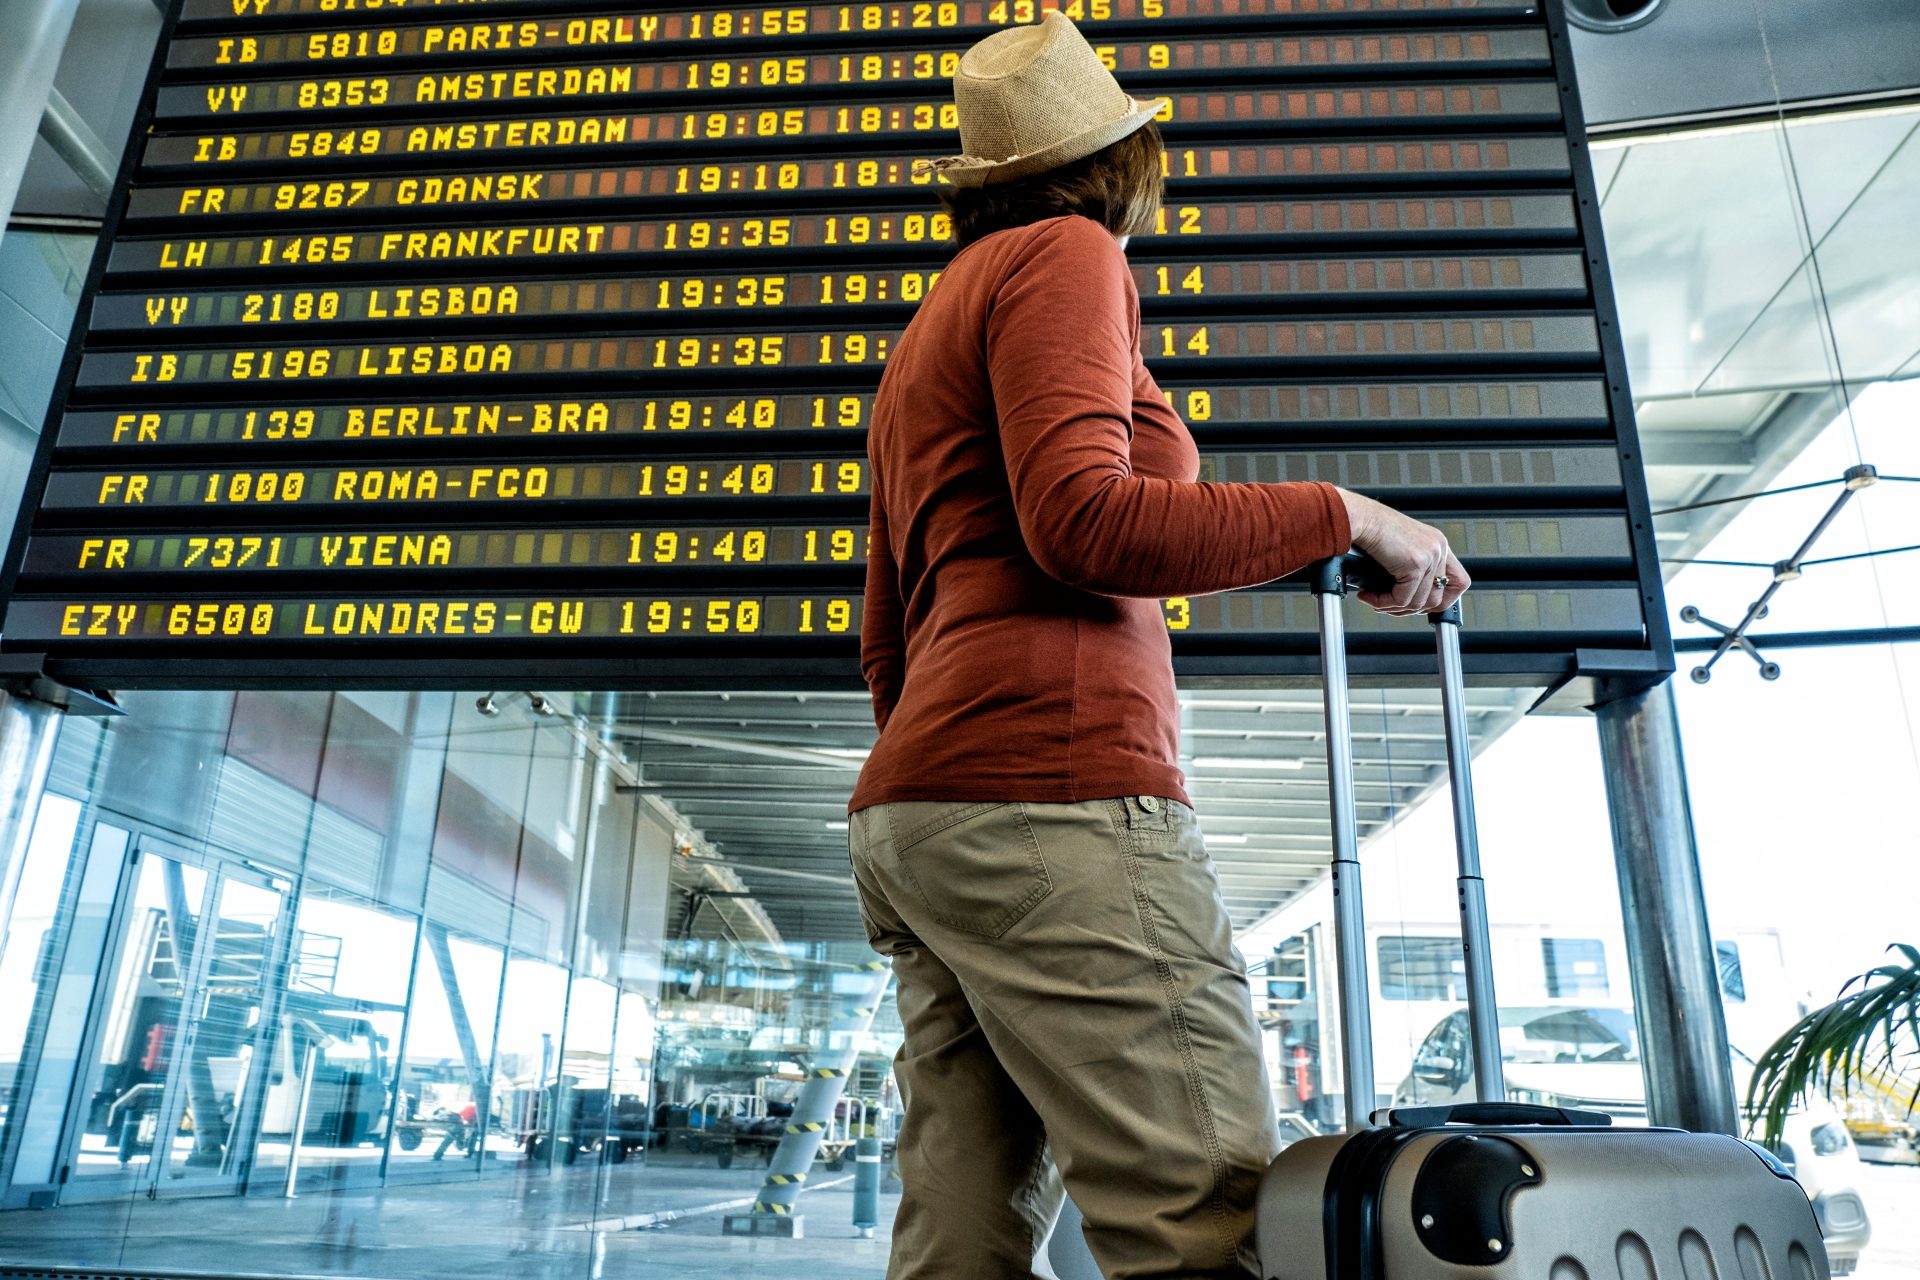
560	1225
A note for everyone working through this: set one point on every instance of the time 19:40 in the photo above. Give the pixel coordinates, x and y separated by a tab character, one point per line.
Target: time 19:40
678	479
759	415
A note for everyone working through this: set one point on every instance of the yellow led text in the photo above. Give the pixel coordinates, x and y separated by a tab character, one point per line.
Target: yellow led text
98	619
104	553
483	86
402	618
125	490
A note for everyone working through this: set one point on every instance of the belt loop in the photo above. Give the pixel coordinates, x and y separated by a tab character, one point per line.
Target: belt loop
1147	813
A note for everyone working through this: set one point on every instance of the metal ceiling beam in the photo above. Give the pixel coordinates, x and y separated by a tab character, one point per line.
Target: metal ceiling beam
1701	453
721	790
75	142
742	746
33	35
747	868
664	774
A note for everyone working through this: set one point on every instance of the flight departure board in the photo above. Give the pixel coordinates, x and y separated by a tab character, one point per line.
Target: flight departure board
463	343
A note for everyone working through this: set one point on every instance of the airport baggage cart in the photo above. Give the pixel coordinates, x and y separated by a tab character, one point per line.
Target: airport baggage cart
1496	1190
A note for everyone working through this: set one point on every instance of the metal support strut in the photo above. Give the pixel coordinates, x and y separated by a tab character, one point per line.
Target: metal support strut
1676	981
1784	571
813	1114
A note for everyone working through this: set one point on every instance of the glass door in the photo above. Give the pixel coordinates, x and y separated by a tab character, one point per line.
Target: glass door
208	1119
170	1091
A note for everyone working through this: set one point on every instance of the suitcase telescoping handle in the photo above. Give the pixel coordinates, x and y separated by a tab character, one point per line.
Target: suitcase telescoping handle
1330	580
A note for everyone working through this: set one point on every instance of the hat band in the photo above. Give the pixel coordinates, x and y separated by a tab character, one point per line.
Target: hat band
922	168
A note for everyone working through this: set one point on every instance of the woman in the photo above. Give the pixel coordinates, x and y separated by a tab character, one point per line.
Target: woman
1021	838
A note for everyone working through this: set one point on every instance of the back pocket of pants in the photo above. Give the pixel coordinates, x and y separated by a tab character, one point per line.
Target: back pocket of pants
976	867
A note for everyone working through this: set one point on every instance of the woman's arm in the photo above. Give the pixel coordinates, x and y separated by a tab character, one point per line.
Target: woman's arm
1061	342
883	645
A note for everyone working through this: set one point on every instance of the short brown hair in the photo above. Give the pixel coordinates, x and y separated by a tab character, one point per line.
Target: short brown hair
1118	186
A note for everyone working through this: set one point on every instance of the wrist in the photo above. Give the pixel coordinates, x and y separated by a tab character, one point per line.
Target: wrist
1360	516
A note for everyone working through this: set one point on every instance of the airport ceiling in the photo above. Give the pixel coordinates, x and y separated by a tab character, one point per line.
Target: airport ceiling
764	779
1734	372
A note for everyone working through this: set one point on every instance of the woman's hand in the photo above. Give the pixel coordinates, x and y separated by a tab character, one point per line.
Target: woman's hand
1426	576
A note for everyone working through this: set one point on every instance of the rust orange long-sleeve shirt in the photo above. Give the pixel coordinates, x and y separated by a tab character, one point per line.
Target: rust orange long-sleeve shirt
1033	499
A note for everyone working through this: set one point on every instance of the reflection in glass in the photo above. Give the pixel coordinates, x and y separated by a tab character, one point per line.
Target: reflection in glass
174	1092
444	1068
35	896
525	1061
334	1066
214	1092
468	1038
630	1082
137	1037
580	1095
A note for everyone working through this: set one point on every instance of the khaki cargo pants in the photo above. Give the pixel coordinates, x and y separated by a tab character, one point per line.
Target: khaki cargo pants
1070	989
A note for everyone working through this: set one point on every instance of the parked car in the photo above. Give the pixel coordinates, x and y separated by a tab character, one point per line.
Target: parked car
1588	1057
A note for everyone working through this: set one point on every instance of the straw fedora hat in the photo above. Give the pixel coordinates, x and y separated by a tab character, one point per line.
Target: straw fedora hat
1033	98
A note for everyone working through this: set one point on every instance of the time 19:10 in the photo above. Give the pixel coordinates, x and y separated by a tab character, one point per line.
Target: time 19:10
713	177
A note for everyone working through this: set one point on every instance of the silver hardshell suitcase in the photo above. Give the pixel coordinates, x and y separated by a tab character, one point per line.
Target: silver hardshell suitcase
1496	1190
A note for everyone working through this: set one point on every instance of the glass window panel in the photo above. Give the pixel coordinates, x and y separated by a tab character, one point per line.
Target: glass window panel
337	1040
121	1096
32	932
608	851
1413	968
581	1097
477	826
526	1061
444	1070
209	1113
631	1080
1575	967
1733	981
546	885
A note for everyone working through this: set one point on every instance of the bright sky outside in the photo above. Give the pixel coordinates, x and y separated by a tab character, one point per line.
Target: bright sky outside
1800	786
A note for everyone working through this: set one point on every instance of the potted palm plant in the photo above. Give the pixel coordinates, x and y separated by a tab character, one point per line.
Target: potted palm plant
1872	1029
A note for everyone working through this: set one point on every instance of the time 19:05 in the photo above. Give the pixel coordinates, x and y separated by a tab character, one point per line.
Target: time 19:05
793	72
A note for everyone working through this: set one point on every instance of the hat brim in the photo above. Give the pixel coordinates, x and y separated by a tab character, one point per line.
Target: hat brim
972	171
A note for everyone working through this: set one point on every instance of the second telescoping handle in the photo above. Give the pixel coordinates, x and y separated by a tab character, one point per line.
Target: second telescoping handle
1483	1009
1329	581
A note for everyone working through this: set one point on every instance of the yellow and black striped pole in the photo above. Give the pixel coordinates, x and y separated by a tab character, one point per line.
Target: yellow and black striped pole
813	1110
